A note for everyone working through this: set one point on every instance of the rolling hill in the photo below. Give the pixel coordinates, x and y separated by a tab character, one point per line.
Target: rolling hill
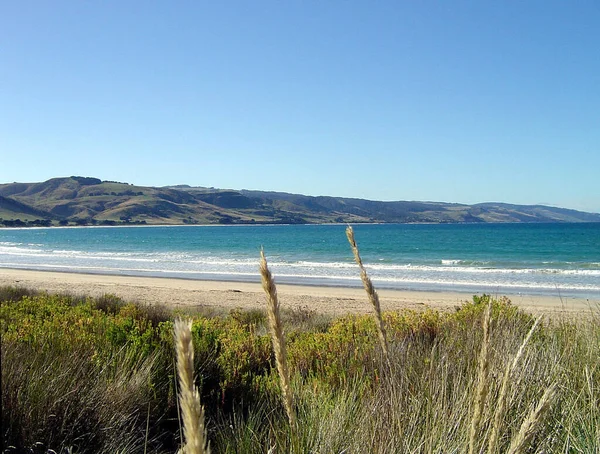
91	201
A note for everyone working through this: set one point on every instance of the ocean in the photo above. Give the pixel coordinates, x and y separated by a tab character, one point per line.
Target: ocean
507	259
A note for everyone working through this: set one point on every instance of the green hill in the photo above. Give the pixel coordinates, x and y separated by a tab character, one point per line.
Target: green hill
91	201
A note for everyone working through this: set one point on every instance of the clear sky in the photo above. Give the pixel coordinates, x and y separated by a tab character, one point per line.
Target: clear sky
388	100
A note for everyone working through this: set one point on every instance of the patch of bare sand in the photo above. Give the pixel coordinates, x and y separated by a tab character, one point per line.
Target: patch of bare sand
221	295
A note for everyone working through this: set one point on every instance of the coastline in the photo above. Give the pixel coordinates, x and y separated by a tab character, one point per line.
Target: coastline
228	295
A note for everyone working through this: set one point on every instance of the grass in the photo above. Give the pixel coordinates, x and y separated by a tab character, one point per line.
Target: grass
83	375
278	339
371	293
192	412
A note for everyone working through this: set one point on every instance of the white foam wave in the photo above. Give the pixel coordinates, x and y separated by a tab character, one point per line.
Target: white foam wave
451	262
443	273
393	281
303	266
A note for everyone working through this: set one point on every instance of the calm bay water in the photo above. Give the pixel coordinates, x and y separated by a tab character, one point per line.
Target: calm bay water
555	259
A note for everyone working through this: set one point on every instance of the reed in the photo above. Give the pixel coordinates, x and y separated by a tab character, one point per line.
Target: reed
277	338
482	381
189	398
371	292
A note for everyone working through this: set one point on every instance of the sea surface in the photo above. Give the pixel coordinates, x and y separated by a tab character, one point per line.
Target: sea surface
548	259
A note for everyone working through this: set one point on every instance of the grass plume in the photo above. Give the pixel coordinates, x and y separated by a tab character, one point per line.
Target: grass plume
502	397
371	292
522	440
482	381
277	338
189	398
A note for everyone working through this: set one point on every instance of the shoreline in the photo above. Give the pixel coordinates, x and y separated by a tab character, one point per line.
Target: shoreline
228	295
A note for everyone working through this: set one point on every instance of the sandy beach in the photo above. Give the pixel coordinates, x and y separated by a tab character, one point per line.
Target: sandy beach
222	295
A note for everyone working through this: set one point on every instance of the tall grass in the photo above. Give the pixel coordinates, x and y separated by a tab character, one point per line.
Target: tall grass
67	399
503	394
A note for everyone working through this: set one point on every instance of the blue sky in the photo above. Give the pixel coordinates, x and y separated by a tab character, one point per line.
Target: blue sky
417	100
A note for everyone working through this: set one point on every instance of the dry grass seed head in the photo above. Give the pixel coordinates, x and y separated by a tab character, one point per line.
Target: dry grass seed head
277	337
502	397
530	425
189	398
482	384
371	293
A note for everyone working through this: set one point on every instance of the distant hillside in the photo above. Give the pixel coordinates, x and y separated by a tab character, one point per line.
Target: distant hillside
436	212
90	201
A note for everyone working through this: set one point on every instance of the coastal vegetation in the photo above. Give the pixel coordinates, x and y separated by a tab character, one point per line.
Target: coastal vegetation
76	201
84	374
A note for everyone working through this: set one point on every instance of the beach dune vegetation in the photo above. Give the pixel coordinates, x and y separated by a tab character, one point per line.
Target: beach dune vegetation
97	375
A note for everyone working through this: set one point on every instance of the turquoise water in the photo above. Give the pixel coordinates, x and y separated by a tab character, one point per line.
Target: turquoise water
501	258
